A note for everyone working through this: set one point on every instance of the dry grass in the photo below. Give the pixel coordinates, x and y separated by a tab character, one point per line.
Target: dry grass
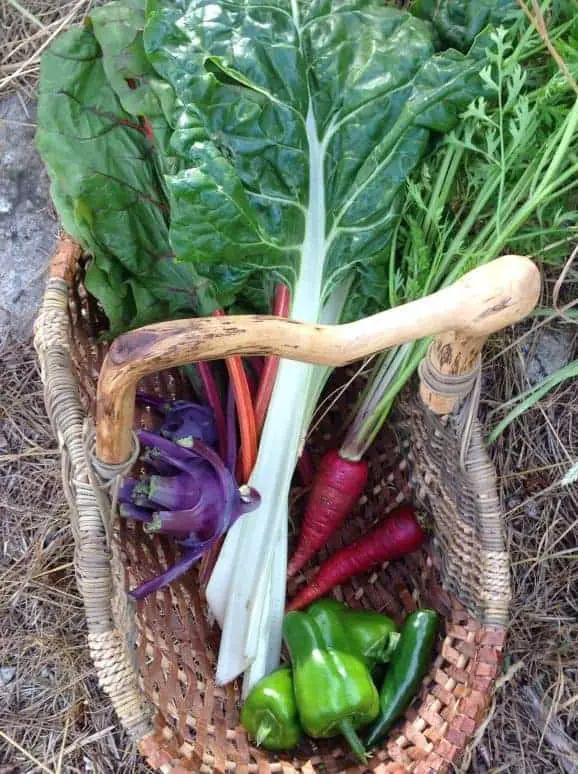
534	728
27	28
53	717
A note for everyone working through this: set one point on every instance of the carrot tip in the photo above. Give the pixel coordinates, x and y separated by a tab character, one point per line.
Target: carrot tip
292	569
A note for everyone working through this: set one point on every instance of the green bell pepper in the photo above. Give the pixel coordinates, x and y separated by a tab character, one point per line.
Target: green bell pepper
328	615
270	714
406	670
374	634
367	634
333	689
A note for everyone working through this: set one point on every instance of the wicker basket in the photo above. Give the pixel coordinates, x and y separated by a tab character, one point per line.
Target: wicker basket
156	660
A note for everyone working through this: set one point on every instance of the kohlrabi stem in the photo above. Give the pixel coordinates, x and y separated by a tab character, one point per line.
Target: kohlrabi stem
230	458
214	401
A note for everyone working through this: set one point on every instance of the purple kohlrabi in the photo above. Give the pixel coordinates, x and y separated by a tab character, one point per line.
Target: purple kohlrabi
191	497
184	421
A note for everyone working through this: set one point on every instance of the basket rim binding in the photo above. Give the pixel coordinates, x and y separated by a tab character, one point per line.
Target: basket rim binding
468	646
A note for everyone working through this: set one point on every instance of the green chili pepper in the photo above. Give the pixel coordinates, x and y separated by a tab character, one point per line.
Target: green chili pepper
270	712
406	671
333	689
369	635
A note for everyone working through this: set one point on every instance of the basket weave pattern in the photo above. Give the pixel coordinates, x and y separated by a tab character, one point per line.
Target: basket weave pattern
156	660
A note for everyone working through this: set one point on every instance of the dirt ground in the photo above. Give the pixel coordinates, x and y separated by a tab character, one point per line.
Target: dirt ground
53	716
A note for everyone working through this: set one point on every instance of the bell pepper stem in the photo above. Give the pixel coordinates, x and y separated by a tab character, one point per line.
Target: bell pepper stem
346	728
263	731
391	645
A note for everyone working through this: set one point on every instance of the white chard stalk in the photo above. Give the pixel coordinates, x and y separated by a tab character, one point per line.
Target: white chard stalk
246	590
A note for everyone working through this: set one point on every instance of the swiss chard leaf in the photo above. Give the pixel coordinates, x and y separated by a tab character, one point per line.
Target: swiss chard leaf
457	22
300	123
107	188
118	28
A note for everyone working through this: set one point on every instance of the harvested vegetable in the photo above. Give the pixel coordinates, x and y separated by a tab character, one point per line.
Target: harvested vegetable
367	634
270	713
334	691
231	446
194	500
375	635
245	413
406	670
267	381
212	398
106	175
183	421
337	487
328	617
398	535
458	23
305	468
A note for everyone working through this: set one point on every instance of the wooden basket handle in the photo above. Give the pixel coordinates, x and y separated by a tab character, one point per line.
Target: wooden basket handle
462	316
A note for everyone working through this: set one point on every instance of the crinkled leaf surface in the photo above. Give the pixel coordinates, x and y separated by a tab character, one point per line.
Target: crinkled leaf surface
300	123
118	28
107	188
457	22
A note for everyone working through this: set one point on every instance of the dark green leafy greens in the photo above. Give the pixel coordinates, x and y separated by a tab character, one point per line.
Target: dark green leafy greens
299	124
118	28
457	23
109	206
107	174
256	141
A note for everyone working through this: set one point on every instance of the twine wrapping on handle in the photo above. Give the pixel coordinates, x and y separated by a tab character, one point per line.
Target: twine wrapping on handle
106	477
466	388
109	472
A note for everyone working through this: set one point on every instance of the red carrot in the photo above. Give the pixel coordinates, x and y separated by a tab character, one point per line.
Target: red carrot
398	535
337	487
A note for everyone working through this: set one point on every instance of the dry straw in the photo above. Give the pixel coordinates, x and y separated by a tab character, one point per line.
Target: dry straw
53	715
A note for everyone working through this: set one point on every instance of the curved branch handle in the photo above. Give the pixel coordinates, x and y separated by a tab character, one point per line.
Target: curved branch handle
483	301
